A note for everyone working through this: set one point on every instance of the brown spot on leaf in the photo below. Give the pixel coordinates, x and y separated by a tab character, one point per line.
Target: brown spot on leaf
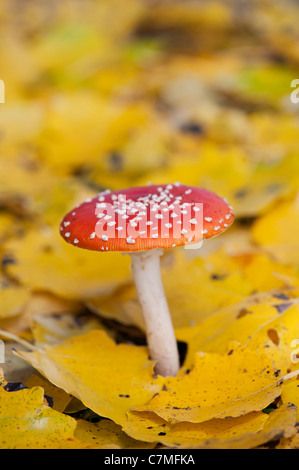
273	336
243	312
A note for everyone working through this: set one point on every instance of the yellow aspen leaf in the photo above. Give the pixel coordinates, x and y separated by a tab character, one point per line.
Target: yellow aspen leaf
264	273
275	338
30	180
278	232
65	192
106	435
290	393
220	171
279	425
26	422
251	188
149	427
45	262
218	386
266	82
20	124
108	378
13	299
7	225
199	288
194	289
274	140
73	40
115	127
60	398
247	323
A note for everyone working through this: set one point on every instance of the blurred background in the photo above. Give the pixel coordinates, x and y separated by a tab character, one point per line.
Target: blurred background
110	94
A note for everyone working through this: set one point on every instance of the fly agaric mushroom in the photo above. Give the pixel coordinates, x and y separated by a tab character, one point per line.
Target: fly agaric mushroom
142	221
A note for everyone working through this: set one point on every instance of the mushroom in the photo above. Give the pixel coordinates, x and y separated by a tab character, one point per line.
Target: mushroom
142	221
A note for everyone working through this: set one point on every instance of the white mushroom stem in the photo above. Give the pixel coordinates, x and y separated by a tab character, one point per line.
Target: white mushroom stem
159	329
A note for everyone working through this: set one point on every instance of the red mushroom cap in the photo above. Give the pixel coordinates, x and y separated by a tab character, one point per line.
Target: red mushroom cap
142	218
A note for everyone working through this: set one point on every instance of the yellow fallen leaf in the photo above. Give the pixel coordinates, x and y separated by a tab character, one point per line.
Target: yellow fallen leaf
26	422
244	432
218	386
108	378
264	273
20	123
151	428
30	180
251	188
275	338
290	393
194	289
13	299
280	424
105	435
45	262
248	322
60	397
278	232
8	225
